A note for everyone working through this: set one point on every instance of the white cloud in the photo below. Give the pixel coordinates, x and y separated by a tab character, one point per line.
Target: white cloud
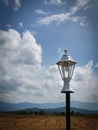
17	4
23	78
75	19
83	23
40	11
79	19
55	2
79	5
20	61
82	3
85	83
96	65
84	72
63	17
21	24
58	18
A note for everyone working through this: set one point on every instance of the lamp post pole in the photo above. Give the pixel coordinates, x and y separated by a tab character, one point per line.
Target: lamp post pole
67	110
66	67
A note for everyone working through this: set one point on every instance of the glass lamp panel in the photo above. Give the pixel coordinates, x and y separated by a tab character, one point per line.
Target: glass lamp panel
60	70
64	71
69	72
72	69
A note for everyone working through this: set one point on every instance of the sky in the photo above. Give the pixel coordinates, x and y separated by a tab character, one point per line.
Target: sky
33	37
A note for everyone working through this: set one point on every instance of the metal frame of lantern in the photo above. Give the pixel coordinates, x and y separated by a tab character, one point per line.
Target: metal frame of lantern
66	67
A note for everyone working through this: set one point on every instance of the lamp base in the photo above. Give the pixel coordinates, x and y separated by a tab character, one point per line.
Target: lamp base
67	88
67	91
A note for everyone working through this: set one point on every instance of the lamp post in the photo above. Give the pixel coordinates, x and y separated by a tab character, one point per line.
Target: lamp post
66	67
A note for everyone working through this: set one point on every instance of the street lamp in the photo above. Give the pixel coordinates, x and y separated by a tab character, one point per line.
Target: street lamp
66	67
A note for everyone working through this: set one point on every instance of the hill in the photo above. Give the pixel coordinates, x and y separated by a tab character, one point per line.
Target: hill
60	110
5	106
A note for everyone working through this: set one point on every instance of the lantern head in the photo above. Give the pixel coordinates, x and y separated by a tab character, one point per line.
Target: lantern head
66	67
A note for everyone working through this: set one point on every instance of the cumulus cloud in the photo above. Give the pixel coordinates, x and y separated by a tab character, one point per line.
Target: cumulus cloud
85	83
63	17
20	58
24	78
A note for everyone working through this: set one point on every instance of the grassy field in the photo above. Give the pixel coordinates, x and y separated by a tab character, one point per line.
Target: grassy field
46	122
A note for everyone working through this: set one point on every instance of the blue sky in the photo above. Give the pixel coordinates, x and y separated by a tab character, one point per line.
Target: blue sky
33	36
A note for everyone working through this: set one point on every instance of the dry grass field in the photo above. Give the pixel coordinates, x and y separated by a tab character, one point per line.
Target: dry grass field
46	122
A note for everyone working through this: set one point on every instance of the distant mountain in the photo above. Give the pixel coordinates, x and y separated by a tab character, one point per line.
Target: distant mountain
84	105
5	106
60	110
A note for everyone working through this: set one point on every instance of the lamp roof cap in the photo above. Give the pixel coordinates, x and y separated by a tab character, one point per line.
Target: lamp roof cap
66	59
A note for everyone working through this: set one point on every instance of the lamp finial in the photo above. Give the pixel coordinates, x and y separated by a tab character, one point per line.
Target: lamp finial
65	52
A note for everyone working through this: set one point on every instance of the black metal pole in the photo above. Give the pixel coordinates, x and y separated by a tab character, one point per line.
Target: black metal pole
67	110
